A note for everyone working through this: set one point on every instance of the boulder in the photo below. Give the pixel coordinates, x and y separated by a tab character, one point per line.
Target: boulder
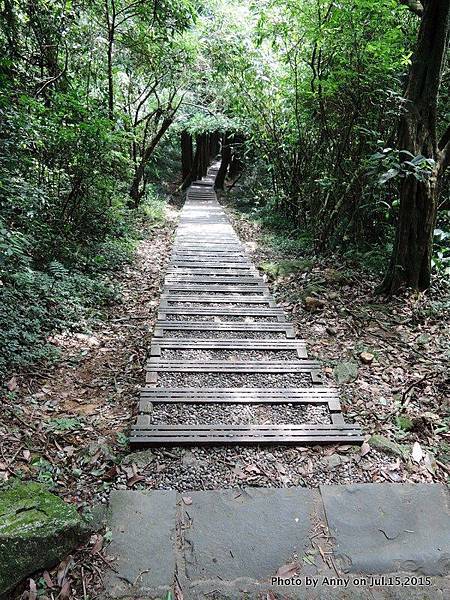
37	531
312	304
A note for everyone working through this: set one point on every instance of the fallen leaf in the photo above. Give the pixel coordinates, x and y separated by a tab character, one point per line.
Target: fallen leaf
98	544
63	569
66	591
289	569
417	453
48	580
135	479
430	463
12	384
33	590
187	500
365	449
252	469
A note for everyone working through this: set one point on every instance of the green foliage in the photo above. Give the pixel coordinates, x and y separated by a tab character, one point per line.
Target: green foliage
441	258
404	422
34	304
67	161
283	268
63	424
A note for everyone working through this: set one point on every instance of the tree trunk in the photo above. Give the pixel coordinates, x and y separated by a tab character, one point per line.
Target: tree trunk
204	155
110	79
225	163
215	144
236	161
111	25
187	157
135	193
410	265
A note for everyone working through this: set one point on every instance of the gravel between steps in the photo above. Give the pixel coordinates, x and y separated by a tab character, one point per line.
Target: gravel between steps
231	355
234	380
216	304
239	414
222	319
195	292
227	335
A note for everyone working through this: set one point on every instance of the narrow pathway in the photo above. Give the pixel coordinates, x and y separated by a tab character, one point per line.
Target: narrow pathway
225	367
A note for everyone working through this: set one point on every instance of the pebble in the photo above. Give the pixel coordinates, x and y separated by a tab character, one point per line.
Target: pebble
209	468
208	334
234	380
222	319
239	414
206	304
230	355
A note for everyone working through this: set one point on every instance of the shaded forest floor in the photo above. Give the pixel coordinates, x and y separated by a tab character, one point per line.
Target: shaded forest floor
389	358
67	427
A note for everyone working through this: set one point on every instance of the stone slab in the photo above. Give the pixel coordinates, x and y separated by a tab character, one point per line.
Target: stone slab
143	542
382	528
250	534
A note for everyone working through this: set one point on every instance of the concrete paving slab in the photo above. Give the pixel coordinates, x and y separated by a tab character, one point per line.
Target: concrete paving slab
249	534
390	527
143	542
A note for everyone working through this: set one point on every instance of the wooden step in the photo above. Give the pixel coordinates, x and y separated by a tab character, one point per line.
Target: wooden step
264	300
203	266
162	326
316	395
240	276
228	344
145	434
240	311
183	286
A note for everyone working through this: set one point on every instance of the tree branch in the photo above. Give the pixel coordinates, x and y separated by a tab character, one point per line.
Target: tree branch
415	6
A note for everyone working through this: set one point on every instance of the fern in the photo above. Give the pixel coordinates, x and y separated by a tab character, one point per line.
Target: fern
57	270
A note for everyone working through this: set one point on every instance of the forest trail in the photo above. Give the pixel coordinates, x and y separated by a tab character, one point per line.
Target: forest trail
225	367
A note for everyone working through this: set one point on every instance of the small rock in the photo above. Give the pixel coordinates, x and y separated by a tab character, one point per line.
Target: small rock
313	304
332	461
331	331
140	459
345	372
383	443
366	358
189	460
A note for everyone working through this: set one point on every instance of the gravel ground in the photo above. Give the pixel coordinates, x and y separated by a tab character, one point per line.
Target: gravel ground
213	282
224	319
231	355
215	304
228	335
233	467
194	292
234	380
239	414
